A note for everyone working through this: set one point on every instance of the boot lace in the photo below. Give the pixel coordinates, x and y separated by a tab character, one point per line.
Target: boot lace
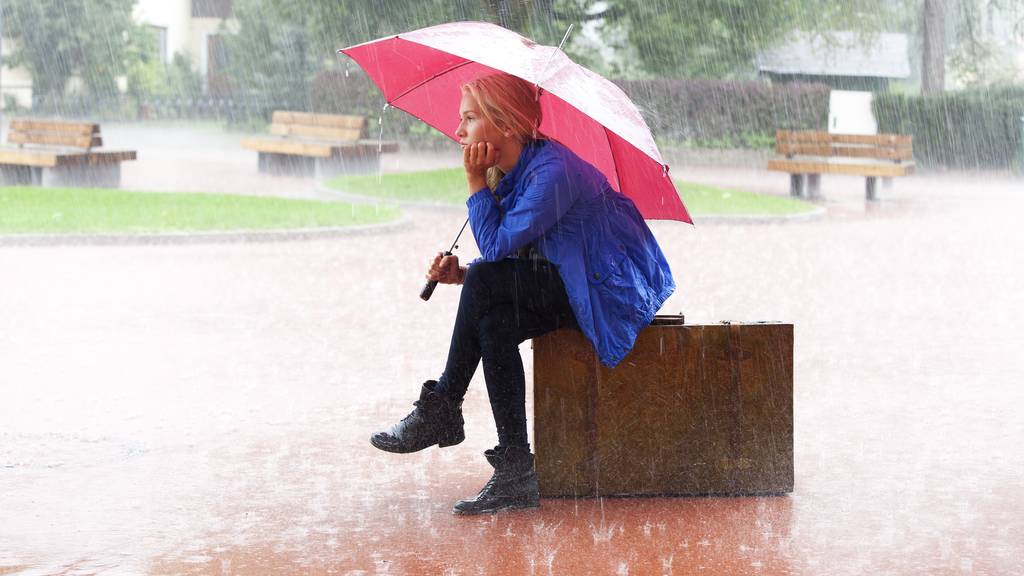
486	490
419	408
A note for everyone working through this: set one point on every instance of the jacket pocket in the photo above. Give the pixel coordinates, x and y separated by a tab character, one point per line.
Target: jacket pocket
605	264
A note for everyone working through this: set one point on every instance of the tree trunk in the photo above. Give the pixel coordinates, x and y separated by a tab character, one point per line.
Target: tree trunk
933	65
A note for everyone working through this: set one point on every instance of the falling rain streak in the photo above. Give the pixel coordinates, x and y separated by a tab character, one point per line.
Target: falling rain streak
188	388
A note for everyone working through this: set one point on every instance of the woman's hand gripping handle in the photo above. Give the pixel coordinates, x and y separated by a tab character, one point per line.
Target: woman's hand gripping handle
444	269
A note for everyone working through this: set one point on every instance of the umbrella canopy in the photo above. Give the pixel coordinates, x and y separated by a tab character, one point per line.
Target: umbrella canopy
422	72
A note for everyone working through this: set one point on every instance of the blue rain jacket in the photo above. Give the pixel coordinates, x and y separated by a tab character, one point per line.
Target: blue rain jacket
614	272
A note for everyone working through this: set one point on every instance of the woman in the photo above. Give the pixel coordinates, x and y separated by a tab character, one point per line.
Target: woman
560	249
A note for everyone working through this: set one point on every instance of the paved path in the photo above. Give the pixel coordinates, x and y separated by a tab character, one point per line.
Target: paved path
204	409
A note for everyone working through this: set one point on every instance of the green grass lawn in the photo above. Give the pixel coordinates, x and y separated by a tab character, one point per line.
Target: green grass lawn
449	186
704	200
446	186
37	210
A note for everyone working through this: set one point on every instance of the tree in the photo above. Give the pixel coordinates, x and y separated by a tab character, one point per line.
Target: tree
281	45
719	38
60	39
958	36
933	36
269	56
976	56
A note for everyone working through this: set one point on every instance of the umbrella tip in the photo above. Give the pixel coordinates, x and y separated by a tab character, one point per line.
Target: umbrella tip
566	37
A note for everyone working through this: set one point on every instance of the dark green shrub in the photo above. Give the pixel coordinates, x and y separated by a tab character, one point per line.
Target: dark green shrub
730	114
976	129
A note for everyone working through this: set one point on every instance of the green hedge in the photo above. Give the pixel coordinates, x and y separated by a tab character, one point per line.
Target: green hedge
977	129
728	114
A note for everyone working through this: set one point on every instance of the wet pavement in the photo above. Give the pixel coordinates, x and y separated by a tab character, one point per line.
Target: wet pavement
205	409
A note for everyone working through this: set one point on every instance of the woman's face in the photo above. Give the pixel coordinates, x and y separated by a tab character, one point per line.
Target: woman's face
474	126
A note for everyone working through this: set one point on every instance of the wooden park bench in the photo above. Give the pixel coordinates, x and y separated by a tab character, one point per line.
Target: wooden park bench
58	153
806	155
692	410
320	145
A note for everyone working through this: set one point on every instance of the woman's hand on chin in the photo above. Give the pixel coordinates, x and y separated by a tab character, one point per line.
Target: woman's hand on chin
477	158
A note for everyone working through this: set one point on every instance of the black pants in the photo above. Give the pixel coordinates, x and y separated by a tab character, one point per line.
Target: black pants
502	304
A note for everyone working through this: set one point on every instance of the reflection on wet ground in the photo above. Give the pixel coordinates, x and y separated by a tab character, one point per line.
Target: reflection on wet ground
205	409
649	536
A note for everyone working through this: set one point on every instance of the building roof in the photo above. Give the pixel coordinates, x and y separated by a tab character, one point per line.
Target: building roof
881	55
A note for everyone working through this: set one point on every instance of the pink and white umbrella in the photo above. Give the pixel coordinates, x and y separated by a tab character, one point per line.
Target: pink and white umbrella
422	71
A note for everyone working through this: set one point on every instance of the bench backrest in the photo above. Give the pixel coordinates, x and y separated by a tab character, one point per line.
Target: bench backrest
893	147
331	127
55	133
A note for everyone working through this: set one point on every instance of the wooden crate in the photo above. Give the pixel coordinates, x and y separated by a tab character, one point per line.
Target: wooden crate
692	410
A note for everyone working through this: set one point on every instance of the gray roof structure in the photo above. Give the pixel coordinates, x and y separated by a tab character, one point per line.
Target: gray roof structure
880	55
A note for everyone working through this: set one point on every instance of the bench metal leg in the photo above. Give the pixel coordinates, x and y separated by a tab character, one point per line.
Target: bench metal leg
293	165
872	188
84	176
12	175
796	185
348	164
814	186
286	164
263	162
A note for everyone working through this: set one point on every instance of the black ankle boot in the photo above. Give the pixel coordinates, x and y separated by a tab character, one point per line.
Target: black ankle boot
513	485
436	420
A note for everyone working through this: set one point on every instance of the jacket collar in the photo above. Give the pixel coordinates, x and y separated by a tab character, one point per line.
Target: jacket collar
508	182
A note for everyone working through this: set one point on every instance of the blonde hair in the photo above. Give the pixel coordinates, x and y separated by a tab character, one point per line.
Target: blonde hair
510	104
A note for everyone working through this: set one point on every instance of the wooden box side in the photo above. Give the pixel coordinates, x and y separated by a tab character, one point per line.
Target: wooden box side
564	431
693	409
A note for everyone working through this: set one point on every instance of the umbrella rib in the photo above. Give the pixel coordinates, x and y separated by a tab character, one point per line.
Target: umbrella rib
422	82
615	164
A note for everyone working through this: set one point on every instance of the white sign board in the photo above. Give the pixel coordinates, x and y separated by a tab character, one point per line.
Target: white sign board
850	113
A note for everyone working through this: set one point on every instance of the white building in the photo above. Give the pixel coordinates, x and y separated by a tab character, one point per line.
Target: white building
189	27
192	28
842	60
15	83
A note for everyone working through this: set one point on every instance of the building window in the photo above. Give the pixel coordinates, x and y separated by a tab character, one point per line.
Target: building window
160	43
211	8
217	81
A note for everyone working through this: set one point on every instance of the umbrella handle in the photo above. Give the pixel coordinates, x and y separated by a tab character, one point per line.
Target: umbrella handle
428	288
